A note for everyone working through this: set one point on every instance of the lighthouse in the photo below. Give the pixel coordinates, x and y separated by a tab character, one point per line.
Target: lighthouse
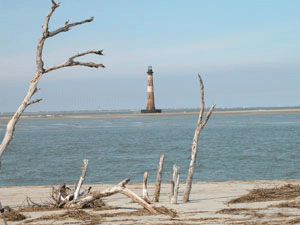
150	108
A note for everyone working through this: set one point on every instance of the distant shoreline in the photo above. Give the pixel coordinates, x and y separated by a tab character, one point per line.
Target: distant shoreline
138	114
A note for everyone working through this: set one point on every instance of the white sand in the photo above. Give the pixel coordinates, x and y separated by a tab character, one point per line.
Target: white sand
206	199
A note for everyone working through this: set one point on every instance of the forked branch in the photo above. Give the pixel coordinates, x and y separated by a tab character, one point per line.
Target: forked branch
200	126
67	26
71	62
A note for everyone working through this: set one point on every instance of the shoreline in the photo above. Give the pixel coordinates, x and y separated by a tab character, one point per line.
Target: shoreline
139	115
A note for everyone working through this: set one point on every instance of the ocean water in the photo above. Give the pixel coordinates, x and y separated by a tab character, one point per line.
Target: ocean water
230	147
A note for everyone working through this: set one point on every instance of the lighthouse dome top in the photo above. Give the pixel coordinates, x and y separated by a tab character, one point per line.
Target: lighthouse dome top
150	70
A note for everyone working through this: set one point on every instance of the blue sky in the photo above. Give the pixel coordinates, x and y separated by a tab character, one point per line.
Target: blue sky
246	51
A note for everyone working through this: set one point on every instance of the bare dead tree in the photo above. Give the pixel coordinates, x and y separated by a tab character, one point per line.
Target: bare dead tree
159	177
40	70
200	125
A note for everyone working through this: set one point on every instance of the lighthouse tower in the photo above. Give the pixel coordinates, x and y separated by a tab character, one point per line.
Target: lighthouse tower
150	108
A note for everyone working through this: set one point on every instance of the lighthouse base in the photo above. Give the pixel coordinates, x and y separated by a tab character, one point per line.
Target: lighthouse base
151	111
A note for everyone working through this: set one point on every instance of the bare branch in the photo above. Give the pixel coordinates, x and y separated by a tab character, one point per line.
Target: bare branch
35	101
124	182
67	27
97	52
48	16
208	115
202	98
71	62
39	50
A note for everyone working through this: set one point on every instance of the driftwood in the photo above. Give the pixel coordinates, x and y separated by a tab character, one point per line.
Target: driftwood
2	213
200	126
40	71
84	200
65	197
145	190
174	185
83	173
158	178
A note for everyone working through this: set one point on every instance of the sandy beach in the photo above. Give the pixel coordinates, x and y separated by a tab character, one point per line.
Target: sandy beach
208	205
138	114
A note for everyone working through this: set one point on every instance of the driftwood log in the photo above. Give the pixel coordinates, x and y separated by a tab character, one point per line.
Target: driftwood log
200	125
40	70
66	197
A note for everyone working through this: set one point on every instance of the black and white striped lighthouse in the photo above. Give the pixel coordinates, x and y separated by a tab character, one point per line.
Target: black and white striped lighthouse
150	108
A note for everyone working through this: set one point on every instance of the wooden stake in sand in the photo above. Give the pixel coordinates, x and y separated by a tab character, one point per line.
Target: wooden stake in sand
174	185
145	190
158	178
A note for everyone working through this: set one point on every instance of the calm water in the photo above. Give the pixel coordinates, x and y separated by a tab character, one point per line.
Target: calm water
231	147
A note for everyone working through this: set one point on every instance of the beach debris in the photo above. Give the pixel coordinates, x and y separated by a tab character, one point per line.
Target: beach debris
96	218
12	215
40	70
159	178
66	197
85	199
289	204
200	125
286	192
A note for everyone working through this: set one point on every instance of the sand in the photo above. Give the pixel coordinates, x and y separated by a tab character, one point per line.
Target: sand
208	205
138	114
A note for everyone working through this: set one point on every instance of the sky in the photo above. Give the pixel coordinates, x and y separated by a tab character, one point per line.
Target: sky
247	53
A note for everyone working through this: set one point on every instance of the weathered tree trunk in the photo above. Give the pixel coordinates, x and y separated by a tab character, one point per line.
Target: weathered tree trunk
81	179
174	185
40	71
158	178
200	126
145	190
